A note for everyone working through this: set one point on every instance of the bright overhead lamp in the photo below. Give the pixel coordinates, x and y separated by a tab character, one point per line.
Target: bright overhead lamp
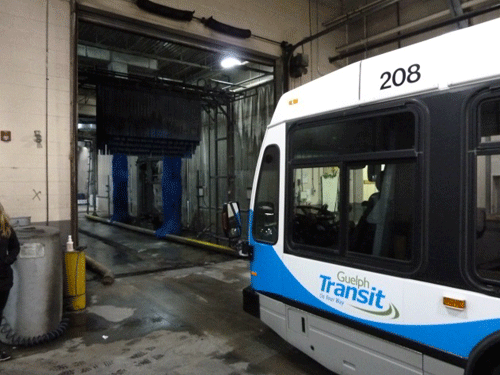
230	62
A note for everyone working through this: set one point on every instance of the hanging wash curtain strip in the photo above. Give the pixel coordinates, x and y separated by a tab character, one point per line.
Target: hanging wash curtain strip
162	10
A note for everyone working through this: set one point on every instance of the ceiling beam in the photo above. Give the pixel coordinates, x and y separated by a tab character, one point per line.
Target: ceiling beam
140	54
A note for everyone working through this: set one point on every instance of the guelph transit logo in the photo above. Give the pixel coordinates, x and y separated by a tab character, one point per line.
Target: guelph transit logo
356	292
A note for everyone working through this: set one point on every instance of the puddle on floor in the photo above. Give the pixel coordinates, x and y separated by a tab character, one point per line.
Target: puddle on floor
112	313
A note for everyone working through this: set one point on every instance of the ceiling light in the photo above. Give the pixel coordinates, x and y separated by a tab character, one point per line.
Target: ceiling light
230	62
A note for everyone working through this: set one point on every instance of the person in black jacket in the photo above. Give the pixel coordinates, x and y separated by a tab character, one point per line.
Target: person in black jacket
9	249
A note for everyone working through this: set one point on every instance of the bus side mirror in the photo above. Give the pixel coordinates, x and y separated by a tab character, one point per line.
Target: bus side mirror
480	222
231	220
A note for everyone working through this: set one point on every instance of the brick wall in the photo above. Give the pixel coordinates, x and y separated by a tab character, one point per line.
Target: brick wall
35	96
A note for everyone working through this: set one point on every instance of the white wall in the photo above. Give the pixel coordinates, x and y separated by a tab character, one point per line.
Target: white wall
27	104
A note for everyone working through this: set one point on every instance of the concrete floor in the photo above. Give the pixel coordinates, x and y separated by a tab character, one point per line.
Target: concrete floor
172	310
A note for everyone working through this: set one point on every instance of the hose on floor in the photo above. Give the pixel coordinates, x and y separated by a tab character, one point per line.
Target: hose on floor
107	276
15	340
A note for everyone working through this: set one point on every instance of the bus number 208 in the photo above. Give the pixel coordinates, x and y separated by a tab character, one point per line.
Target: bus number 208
400	76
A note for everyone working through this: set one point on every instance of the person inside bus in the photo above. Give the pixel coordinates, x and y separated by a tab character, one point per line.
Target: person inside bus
364	231
9	250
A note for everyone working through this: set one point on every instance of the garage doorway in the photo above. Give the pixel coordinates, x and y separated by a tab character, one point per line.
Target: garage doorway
217	139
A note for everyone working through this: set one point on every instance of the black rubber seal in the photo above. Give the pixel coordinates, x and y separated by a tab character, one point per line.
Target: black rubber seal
162	10
226	29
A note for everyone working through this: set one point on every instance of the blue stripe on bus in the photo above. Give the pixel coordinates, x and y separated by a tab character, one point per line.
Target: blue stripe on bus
456	338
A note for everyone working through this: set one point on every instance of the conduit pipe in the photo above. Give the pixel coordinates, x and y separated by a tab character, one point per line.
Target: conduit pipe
362	11
410	25
336	23
187	241
416	32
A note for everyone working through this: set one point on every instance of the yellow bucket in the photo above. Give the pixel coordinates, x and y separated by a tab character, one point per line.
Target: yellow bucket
75	280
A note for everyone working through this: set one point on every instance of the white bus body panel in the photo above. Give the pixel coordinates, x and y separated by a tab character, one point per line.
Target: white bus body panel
344	350
336	90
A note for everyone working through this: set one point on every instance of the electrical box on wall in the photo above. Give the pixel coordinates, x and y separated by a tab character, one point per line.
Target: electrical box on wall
5	135
298	65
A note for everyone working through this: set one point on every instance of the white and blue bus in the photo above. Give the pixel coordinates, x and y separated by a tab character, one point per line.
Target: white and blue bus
374	231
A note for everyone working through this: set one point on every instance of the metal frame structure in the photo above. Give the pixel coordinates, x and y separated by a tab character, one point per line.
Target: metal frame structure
217	97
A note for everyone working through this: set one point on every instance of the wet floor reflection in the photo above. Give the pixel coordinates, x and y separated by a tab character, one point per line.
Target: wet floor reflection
128	253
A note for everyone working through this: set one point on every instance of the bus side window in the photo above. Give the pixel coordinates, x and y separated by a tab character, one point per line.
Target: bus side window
381	209
266	208
354	188
487	213
316	220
